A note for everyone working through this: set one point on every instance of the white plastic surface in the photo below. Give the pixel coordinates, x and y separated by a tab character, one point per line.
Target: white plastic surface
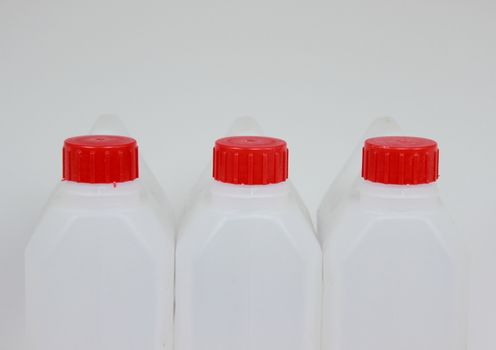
100	271
394	272
248	272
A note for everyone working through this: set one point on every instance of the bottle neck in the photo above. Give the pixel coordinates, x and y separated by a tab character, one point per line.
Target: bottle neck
399	197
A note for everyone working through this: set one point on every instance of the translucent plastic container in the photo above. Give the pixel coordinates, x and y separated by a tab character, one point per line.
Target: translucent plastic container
394	265
100	265
248	265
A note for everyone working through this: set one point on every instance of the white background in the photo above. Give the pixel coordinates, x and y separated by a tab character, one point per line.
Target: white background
312	72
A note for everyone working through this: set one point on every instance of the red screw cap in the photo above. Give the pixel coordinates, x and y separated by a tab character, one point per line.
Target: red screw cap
100	159
400	160
250	160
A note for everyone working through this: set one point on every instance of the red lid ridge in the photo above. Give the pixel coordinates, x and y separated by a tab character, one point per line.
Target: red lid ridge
250	160
100	159
400	160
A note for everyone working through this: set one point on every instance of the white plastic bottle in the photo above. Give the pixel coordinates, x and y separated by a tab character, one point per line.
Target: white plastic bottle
100	265
248	265
394	266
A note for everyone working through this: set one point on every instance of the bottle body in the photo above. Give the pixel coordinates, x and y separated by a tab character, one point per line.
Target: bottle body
394	272
248	272
100	271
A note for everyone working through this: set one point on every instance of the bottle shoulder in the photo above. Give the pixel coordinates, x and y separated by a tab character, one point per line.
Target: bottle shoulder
130	212
209	218
211	208
123	199
370	202
352	222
